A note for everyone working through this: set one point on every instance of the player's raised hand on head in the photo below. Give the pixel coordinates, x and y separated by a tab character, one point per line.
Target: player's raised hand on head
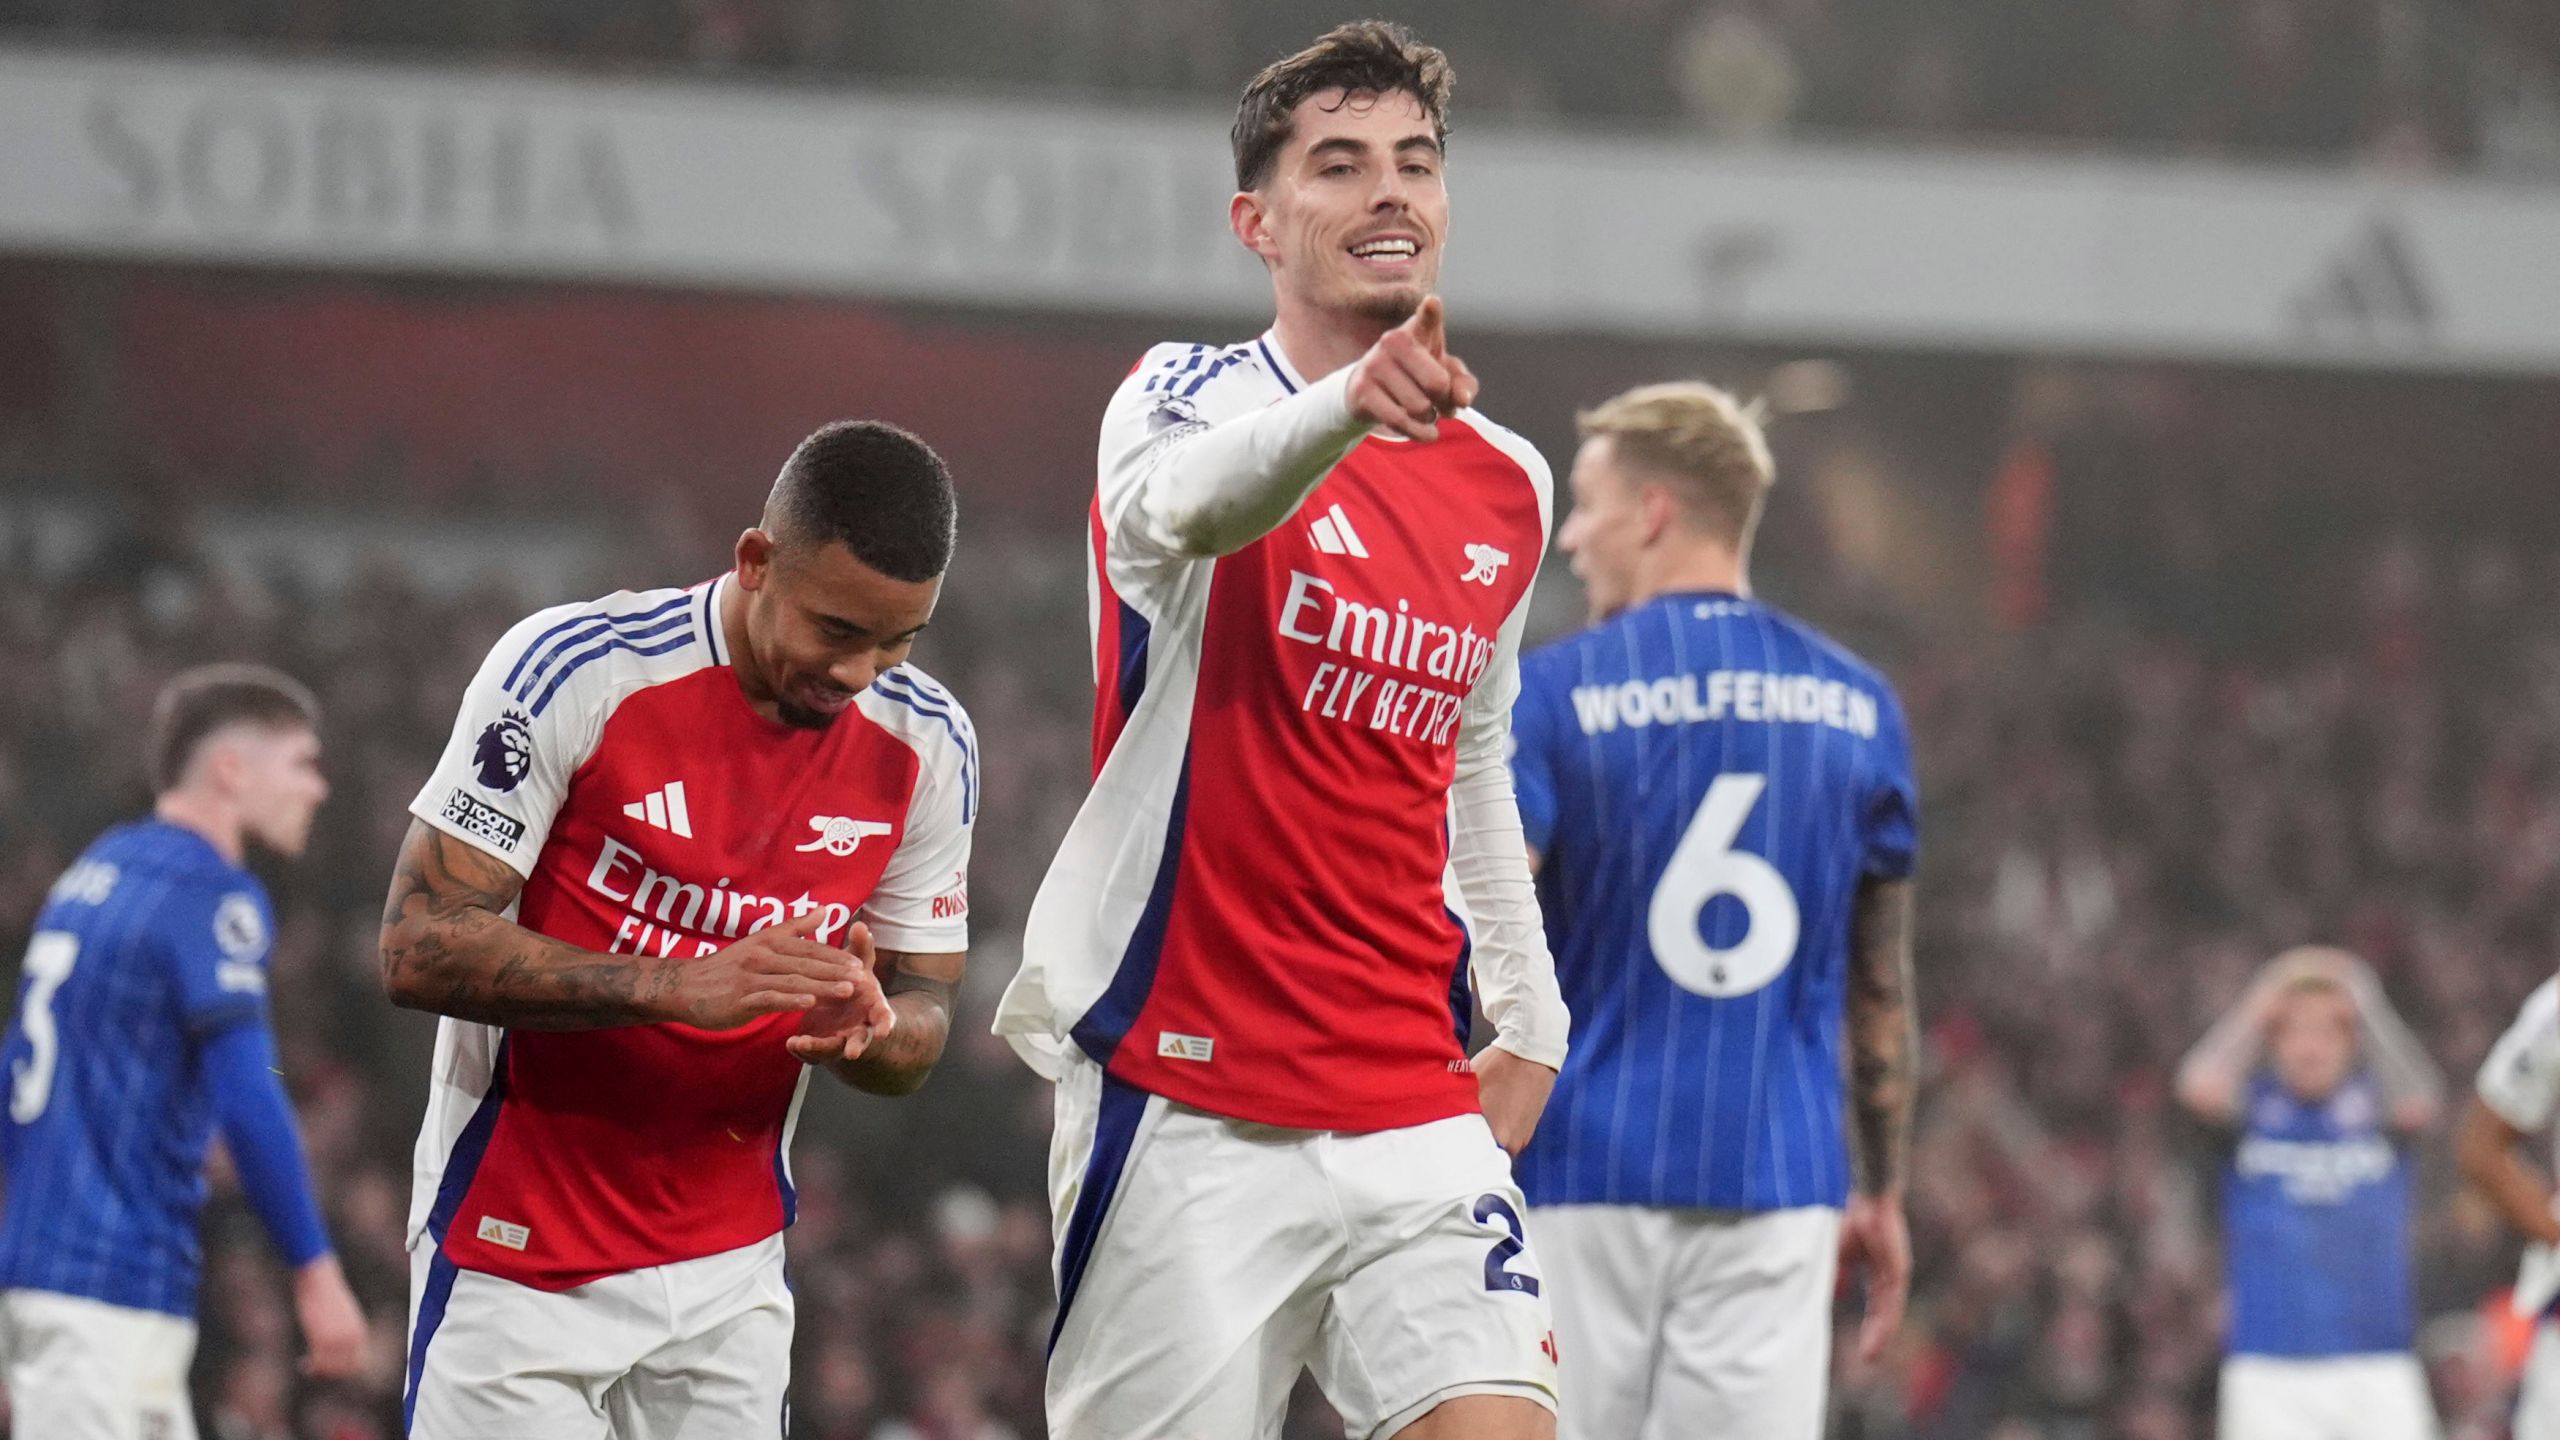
1408	382
840	1030
778	969
1875	1240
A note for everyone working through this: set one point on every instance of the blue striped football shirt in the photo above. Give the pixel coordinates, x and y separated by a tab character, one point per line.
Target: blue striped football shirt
2315	1219
149	946
1706	781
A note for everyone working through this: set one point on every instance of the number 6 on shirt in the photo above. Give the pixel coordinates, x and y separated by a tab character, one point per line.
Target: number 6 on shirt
1704	866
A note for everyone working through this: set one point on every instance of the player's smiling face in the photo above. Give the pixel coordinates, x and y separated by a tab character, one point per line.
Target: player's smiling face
1352	217
821	626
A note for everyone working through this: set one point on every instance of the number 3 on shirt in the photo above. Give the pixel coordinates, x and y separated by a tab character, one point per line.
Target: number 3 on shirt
49	959
1705	866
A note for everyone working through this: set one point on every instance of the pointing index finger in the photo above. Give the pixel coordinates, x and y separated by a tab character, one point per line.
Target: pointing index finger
1430	326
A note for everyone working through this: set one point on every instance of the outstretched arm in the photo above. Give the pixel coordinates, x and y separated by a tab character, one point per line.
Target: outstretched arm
448	946
1204	490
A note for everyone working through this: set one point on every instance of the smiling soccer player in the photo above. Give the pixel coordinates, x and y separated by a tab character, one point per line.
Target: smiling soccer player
684	846
1248	969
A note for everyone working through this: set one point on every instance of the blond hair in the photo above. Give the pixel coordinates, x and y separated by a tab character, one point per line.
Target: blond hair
1707	444
2314	969
2313	984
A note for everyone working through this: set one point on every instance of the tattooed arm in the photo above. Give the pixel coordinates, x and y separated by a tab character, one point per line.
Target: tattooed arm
1884	1039
1884	1054
448	947
921	990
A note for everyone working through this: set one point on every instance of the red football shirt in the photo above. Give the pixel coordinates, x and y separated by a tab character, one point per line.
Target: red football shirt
606	751
1253	914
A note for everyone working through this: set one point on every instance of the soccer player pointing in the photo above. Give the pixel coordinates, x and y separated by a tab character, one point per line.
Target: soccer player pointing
684	843
1249	968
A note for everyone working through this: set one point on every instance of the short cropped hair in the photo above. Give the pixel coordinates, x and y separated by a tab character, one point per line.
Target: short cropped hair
196	704
1699	438
1365	57
872	488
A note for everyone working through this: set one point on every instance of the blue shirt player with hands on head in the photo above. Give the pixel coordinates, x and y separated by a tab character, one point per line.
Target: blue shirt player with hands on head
141	1026
1720	805
2320	1087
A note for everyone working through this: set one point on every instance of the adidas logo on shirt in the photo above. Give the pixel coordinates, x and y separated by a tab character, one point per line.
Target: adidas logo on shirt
1332	534
505	1232
663	809
1201	1048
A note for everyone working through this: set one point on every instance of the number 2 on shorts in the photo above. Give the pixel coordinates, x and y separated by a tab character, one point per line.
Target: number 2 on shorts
1497	1275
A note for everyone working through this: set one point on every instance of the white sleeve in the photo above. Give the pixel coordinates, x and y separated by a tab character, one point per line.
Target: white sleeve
1515	975
1179	483
921	905
505	771
2521	1078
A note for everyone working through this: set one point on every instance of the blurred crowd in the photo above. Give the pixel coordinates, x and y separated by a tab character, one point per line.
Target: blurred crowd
2123	827
2187	723
2239	682
2404	83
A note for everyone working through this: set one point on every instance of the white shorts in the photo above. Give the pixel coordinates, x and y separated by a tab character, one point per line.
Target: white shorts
1681	1323
1203	1261
2538	1399
82	1369
2345	1397
696	1350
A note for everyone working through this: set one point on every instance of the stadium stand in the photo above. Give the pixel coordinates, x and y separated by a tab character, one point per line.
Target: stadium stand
2398	83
